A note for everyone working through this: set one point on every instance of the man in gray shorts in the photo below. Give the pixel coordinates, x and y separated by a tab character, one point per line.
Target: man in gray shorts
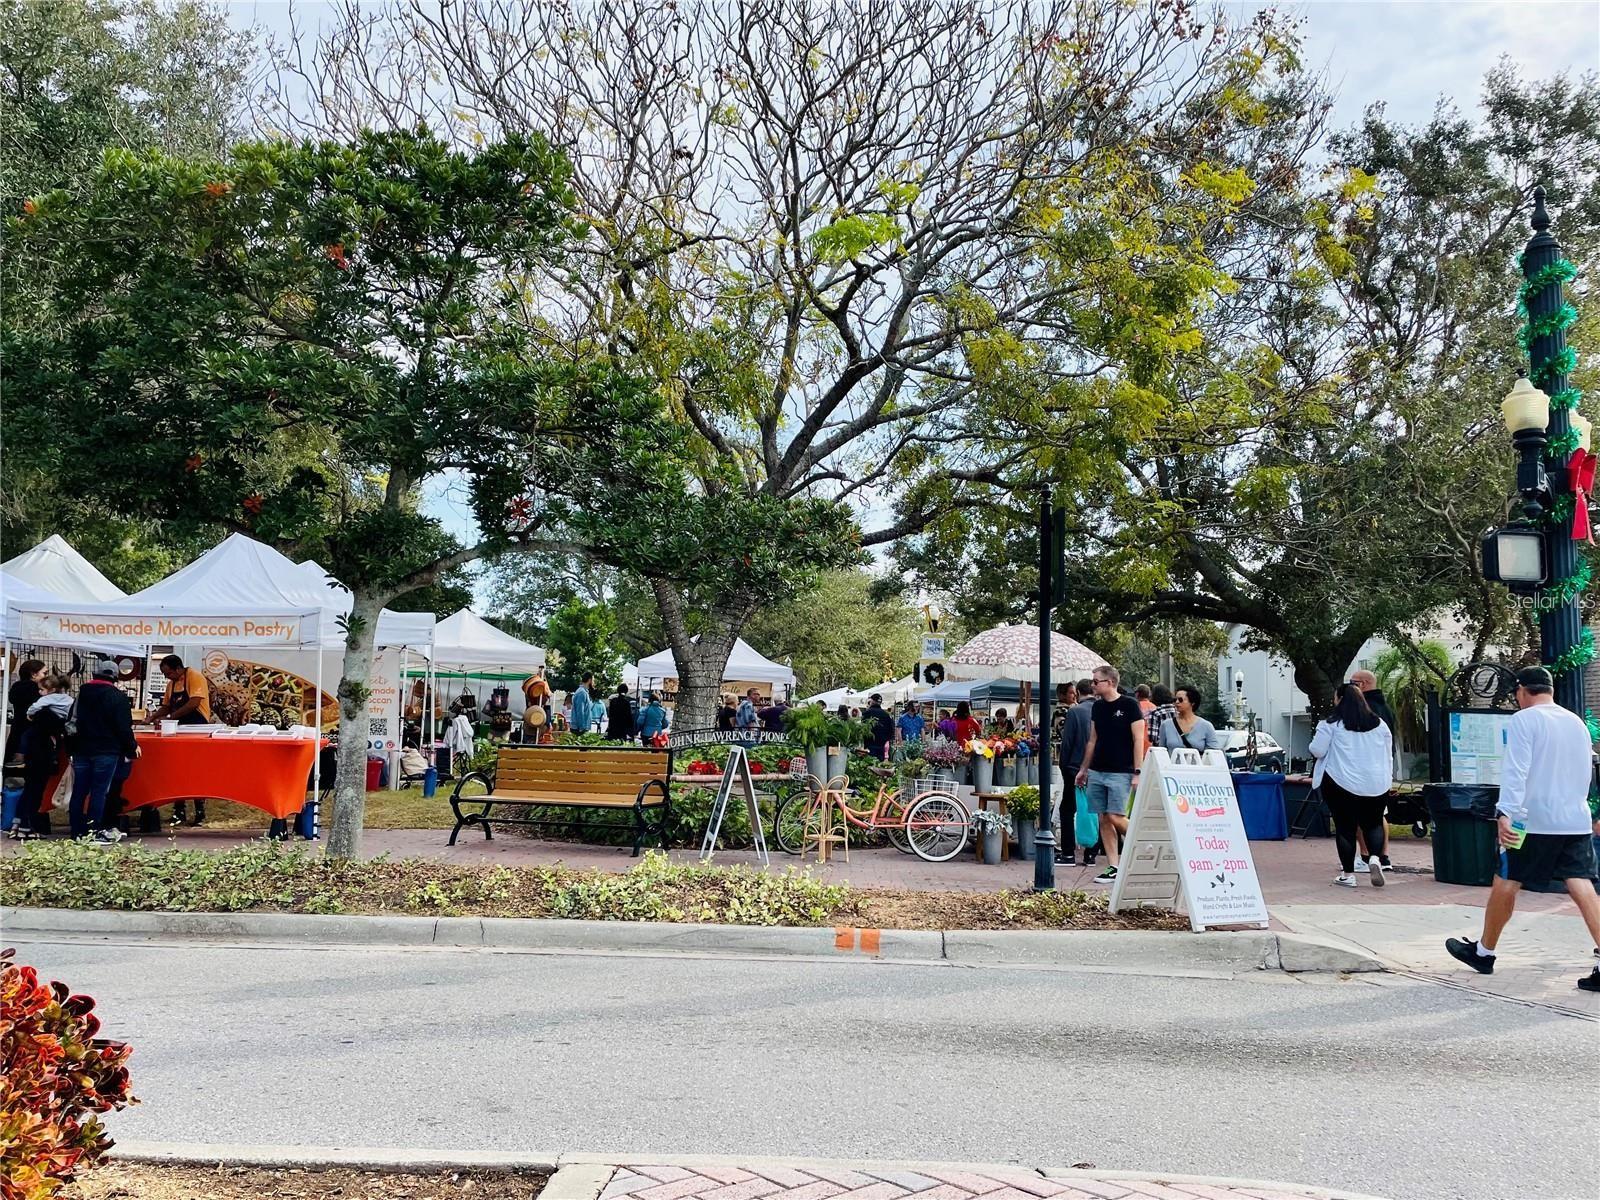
1111	762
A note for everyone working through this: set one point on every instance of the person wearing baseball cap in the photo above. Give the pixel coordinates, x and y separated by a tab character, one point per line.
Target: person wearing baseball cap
101	747
1544	819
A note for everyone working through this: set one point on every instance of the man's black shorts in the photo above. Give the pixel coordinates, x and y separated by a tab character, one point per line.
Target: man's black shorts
1550	857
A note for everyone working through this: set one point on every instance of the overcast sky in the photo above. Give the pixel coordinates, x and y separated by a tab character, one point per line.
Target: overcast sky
1405	52
1409	54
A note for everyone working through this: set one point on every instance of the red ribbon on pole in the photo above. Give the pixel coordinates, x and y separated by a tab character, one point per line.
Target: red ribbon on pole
1580	469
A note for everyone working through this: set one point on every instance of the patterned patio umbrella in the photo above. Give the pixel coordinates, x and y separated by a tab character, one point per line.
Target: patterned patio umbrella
1012	652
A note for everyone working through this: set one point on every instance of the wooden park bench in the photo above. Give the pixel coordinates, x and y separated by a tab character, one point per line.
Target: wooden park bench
627	781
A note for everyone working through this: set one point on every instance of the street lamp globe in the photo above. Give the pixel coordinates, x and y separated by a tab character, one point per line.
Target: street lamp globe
1525	408
1585	428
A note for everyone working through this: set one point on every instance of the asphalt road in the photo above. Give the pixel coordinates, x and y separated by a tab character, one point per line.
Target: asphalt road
1383	1085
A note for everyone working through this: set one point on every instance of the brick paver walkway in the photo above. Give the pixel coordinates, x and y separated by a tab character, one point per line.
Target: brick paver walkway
809	1182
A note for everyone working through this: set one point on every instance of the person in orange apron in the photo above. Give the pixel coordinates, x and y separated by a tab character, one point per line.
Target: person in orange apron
188	702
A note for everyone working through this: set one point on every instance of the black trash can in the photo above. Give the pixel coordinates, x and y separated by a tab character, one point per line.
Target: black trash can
1466	843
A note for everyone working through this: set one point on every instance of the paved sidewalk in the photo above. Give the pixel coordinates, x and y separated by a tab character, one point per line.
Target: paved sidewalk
762	1181
1542	953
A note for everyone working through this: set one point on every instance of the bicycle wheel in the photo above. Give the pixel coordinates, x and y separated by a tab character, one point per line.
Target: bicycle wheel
789	826
897	833
937	827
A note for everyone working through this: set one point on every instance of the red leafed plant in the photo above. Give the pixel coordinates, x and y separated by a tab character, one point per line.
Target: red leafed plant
54	1074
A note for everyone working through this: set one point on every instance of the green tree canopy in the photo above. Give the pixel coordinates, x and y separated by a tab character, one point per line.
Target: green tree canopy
584	638
78	77
293	340
1320	464
837	635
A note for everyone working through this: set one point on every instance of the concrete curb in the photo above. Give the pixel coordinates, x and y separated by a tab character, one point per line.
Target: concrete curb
584	1176
363	1158
1165	951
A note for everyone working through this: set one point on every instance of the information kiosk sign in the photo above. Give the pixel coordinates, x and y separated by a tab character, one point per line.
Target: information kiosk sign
1186	842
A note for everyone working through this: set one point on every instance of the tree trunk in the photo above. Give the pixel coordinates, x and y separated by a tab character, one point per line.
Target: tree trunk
1321	666
1319	682
701	659
350	797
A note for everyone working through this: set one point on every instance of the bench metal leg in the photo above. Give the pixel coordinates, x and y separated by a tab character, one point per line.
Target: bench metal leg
478	818
639	829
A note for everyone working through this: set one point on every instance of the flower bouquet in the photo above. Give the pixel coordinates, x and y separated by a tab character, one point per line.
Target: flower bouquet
944	757
982	752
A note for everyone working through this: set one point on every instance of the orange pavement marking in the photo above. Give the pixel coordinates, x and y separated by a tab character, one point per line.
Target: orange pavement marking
844	938
870	940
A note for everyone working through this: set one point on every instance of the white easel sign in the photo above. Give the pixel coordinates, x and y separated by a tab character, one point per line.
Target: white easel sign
1186	841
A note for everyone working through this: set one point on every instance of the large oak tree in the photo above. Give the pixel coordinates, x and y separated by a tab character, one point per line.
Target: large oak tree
838	238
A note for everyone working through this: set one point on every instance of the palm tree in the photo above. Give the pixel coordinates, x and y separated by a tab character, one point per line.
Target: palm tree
1406	674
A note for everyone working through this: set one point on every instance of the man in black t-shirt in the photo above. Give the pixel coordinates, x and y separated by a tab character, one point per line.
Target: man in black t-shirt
1111	762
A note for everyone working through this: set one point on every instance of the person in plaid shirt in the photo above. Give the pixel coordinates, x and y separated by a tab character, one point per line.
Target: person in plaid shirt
1163	711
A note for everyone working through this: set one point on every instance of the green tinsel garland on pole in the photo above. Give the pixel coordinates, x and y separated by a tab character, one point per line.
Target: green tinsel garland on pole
1570	588
1580	655
1559	515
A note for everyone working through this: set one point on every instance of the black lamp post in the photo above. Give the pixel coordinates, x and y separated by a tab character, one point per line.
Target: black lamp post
1560	624
1052	525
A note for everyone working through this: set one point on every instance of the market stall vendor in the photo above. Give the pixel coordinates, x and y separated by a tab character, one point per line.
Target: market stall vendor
537	692
188	702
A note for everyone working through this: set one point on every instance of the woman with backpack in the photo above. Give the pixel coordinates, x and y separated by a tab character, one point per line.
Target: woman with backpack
1355	766
1186	729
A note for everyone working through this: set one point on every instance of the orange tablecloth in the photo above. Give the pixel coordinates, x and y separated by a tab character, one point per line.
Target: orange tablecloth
265	773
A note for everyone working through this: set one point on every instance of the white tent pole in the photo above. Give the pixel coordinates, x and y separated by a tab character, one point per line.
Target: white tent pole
400	694
316	741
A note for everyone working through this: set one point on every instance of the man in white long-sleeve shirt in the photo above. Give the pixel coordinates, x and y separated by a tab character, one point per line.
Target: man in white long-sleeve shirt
1544	786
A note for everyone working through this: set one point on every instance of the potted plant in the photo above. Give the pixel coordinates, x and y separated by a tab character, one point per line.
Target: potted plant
911	770
811	729
982	754
991	827
944	757
844	736
1022	802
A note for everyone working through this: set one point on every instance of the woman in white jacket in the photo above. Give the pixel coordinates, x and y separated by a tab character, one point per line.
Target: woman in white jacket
1355	763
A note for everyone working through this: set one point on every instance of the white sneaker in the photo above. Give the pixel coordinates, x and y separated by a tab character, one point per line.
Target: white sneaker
1375	869
1361	866
1345	881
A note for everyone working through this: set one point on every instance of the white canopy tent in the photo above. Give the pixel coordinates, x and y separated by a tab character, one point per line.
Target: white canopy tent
465	644
240	595
744	666
16	593
830	699
468	648
951	691
893	691
394	628
55	567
